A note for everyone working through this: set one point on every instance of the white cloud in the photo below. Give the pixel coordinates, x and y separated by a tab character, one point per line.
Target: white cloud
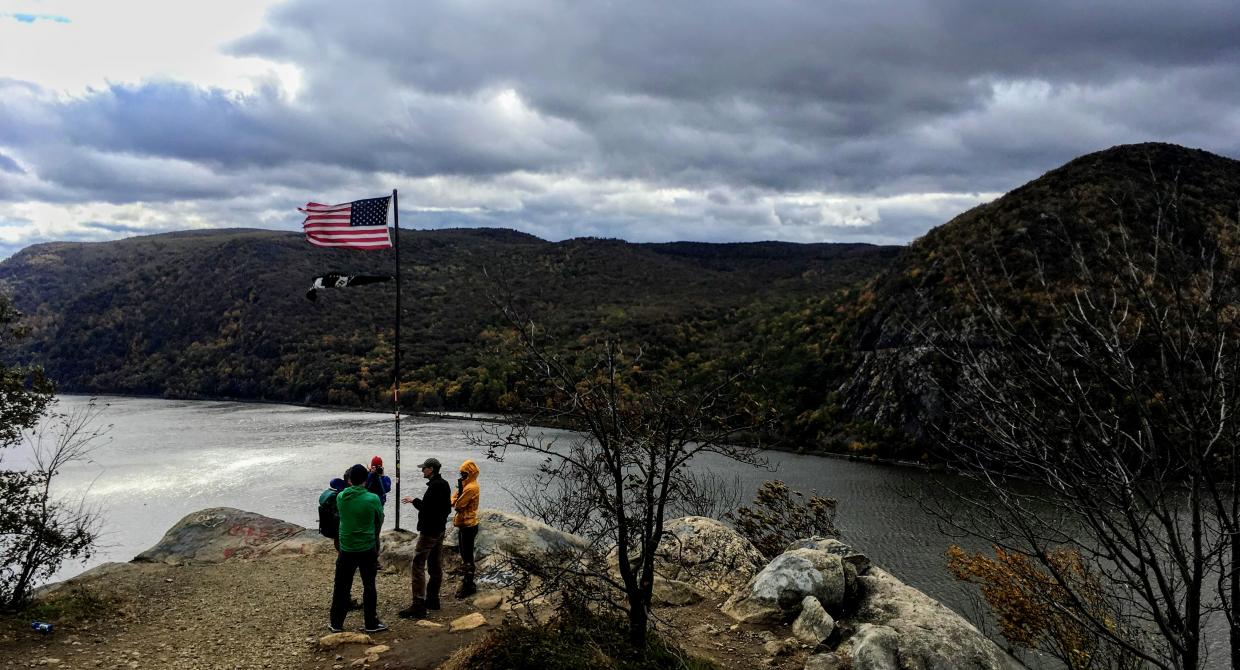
29	222
129	41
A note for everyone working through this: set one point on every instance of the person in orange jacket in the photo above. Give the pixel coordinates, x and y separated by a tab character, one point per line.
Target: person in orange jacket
465	502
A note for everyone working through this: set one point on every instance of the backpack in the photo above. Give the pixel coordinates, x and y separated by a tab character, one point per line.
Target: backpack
329	517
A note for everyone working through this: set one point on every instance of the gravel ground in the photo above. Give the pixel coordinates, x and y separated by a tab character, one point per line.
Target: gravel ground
251	614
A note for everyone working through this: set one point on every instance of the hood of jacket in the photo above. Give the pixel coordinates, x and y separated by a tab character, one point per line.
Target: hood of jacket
353	492
471	472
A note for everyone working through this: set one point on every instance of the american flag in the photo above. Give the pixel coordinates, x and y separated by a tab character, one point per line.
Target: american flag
361	224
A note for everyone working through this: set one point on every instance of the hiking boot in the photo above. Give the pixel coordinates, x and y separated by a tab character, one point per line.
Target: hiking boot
334	628
379	627
413	612
432	604
467	589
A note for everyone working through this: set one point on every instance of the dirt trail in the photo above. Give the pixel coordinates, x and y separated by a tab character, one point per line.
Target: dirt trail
249	614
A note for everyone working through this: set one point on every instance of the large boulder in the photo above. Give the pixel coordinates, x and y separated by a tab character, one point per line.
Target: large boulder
707	554
223	533
833	546
512	535
776	593
396	549
901	628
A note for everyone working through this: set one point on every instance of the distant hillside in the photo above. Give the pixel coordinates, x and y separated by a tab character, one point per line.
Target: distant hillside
223	314
1017	247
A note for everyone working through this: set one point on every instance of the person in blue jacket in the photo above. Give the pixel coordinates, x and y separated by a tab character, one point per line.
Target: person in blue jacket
377	482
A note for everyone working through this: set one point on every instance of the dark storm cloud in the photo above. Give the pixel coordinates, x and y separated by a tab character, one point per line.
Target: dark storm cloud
748	105
783	94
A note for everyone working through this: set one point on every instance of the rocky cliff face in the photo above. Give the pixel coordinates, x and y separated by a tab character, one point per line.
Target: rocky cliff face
1017	252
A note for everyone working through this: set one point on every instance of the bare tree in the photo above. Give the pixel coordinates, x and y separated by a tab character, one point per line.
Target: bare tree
556	497
38	532
633	434
707	493
1099	417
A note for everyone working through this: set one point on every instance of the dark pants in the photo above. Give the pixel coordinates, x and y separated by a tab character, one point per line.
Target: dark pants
466	536
348	562
426	555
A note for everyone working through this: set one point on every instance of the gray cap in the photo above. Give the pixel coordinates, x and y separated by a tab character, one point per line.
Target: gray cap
431	463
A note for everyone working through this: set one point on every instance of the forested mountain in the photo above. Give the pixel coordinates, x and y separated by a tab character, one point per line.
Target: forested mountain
223	314
1029	253
840	332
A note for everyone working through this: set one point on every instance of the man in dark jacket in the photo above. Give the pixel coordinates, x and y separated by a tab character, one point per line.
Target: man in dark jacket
361	517
433	510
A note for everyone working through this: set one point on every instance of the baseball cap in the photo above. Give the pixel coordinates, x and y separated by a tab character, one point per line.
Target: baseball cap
430	463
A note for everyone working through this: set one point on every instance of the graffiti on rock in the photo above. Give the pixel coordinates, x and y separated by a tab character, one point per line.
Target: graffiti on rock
255	540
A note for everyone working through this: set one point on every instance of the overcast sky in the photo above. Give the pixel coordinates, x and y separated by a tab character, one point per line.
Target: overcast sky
714	120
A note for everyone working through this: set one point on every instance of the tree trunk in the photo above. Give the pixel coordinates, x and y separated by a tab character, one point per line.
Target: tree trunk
639	623
1233	579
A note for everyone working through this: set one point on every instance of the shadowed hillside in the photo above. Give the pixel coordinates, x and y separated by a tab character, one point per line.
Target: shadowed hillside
1018	251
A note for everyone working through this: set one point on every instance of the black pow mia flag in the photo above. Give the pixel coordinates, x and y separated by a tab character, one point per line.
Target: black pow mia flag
334	280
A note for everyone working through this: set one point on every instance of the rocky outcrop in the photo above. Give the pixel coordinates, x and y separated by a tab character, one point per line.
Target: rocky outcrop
508	544
825	590
223	533
776	593
707	554
820	590
901	628
507	534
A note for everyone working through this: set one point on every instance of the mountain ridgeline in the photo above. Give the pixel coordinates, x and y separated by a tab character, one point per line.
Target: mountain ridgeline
222	314
838	330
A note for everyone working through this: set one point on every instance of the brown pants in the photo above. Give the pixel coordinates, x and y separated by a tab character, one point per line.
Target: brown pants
426	559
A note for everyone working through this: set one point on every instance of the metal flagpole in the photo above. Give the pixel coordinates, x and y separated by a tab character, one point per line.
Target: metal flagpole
396	375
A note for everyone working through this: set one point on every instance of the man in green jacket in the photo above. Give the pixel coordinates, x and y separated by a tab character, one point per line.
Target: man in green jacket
361	517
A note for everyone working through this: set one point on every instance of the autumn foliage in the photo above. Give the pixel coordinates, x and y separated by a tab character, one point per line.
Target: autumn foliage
1034	608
